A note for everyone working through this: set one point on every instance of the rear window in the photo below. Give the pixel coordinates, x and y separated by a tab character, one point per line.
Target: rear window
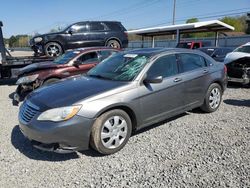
116	26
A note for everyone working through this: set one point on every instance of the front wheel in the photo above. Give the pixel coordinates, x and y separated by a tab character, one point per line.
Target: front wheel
111	132
213	98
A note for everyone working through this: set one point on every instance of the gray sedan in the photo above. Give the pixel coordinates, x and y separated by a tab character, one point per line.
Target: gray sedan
124	93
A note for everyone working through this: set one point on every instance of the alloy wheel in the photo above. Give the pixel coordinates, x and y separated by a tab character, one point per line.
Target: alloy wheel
214	98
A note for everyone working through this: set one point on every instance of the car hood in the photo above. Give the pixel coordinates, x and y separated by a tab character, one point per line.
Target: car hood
230	57
36	66
46	34
71	91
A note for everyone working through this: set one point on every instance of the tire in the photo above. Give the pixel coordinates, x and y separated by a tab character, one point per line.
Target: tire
53	49
212	99
113	44
50	81
106	133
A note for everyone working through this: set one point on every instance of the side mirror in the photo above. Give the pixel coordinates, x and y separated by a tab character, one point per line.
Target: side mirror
70	31
77	63
154	80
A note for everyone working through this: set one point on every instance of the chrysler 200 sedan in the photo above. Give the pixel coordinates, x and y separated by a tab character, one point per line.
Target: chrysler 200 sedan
124	93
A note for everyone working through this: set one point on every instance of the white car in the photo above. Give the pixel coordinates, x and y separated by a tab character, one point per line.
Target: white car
238	64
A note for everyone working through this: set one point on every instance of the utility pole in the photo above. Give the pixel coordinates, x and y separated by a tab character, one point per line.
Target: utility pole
173	22
174	12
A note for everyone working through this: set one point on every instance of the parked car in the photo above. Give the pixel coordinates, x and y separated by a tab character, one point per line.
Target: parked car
193	44
126	92
238	64
81	34
71	63
217	53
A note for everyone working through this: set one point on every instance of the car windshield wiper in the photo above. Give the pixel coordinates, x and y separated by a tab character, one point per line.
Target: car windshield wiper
99	76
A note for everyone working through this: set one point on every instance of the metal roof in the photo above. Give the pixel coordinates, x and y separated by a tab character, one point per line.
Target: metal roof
205	26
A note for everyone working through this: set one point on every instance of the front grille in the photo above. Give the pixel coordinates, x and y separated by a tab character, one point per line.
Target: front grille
27	112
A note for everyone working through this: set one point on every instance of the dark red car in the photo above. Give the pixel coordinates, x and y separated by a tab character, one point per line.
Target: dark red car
71	63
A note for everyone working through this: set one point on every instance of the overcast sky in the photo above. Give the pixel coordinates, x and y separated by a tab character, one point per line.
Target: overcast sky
29	16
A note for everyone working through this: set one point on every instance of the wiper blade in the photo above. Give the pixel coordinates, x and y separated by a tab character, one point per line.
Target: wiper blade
99	76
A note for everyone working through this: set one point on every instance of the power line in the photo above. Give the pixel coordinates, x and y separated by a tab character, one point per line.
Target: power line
204	17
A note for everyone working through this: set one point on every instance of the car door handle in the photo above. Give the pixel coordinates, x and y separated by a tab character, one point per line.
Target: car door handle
205	71
177	79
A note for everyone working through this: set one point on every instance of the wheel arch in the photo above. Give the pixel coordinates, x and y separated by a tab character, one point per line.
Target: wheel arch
113	38
125	108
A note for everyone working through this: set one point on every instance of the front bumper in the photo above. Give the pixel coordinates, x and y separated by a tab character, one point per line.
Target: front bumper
61	137
38	48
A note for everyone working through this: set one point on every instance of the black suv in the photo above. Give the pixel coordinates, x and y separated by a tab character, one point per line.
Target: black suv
81	34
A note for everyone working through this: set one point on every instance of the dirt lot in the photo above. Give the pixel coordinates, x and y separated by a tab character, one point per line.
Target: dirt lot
191	150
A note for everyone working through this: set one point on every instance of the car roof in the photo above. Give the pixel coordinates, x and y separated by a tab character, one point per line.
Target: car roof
149	52
216	47
81	50
247	44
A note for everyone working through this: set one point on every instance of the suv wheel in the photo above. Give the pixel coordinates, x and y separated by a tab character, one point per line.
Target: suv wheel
113	44
53	49
213	98
111	131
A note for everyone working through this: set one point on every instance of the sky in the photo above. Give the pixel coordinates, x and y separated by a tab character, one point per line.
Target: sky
30	16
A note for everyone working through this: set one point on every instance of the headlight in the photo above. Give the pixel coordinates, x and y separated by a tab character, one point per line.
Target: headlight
27	79
38	39
59	114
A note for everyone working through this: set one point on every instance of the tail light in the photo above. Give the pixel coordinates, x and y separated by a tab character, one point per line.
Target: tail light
126	34
225	68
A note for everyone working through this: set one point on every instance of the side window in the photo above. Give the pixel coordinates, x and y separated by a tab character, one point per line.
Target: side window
218	52
164	66
106	53
88	58
80	28
191	62
96	26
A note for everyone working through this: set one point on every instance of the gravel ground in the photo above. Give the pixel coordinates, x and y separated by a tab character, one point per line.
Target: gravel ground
191	150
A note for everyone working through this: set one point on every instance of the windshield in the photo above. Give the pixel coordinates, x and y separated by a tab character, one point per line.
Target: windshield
245	49
207	51
65	58
119	67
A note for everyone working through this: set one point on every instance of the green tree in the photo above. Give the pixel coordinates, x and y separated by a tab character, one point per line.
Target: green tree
236	22
12	41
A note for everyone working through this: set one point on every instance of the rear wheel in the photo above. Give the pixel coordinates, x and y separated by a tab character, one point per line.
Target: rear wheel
111	131
53	49
113	44
213	98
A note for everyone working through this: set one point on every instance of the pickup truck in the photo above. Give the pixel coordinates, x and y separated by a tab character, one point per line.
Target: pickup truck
193	44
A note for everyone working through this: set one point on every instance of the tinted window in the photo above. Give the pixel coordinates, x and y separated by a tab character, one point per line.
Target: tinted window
115	26
80	28
196	45
96	26
191	62
88	58
106	53
164	66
